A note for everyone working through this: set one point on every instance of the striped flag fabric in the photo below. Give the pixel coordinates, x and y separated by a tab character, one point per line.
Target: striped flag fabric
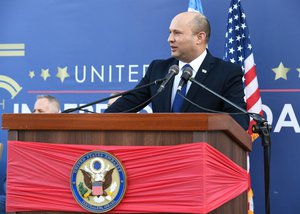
195	5
97	188
238	49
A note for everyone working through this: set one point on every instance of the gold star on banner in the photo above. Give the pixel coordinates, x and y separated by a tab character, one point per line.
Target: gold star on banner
298	69
280	71
62	73
45	73
31	74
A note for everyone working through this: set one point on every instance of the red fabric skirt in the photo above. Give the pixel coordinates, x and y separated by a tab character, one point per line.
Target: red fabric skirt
187	178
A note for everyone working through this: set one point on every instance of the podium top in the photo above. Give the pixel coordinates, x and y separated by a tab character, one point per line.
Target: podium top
129	121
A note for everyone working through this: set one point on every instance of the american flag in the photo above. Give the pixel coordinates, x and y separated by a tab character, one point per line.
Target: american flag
238	49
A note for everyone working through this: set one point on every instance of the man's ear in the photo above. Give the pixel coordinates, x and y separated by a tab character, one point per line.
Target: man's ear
201	36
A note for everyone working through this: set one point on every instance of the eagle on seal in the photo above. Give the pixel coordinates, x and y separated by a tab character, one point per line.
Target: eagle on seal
99	184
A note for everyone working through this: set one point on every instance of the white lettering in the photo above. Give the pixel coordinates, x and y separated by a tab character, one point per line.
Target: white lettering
282	122
3	104
107	73
16	108
24	108
132	72
100	108
83	74
145	68
70	105
87	109
94	71
120	71
268	113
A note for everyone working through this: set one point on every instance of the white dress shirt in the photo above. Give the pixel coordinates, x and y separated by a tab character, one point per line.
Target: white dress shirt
195	64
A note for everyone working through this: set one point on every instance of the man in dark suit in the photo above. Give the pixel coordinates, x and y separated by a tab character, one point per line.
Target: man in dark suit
188	39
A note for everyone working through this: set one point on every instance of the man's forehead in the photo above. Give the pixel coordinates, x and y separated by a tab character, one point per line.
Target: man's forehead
41	102
180	21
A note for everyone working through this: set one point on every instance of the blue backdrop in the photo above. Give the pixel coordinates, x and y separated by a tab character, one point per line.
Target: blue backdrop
81	51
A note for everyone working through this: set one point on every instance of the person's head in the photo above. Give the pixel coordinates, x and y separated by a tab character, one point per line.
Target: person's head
46	104
189	35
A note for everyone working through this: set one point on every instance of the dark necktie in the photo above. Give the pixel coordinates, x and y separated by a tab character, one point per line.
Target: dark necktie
178	100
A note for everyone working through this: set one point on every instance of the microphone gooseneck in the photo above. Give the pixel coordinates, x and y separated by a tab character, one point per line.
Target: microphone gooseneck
218	95
256	117
156	82
173	71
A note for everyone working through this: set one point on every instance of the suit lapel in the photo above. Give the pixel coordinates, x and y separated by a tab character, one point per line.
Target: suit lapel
201	75
166	95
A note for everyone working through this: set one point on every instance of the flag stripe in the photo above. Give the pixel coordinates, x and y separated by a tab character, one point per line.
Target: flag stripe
253	99
251	87
249	62
256	108
250	75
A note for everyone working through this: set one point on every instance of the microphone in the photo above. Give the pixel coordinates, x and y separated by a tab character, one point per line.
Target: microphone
173	71
186	75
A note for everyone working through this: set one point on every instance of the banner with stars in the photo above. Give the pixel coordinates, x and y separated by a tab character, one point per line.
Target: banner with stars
80	52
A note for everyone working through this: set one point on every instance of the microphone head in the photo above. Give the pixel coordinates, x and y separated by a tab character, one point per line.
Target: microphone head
187	73
174	69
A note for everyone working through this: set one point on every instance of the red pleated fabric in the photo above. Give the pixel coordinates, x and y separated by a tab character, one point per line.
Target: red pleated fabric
187	178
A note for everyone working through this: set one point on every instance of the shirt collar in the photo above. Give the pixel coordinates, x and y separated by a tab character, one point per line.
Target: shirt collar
196	63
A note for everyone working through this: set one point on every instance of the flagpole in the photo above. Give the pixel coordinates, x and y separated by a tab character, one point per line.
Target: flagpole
263	129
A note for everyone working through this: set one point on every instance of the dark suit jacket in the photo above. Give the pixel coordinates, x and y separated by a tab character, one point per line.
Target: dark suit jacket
222	77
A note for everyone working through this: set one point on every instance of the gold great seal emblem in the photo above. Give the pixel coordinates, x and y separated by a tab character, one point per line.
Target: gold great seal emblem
98	181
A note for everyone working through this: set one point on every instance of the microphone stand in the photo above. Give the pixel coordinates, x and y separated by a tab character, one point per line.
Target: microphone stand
263	129
113	96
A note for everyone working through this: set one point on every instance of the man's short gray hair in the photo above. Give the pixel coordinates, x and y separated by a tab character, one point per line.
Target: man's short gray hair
52	100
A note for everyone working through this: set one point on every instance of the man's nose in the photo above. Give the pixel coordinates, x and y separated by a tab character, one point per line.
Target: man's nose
170	38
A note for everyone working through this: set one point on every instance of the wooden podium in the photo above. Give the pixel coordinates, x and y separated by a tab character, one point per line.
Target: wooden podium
218	130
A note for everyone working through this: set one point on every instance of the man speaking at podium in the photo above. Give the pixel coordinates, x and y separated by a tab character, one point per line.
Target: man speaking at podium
188	39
